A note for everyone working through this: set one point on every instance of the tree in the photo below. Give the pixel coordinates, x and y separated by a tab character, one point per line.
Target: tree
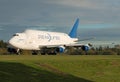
3	44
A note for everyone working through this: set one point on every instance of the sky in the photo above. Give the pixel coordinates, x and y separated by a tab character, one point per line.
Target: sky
98	18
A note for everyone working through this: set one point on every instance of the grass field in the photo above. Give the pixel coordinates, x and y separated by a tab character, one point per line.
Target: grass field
59	68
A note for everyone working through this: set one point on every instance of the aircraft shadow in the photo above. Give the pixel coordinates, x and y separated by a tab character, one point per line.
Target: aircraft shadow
18	72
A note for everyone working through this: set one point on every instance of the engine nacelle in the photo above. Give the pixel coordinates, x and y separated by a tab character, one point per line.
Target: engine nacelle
85	48
60	49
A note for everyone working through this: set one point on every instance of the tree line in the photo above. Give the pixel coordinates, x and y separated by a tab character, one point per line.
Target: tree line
96	51
72	51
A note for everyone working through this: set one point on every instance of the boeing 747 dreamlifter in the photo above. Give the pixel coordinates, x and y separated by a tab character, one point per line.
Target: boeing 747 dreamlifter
46	42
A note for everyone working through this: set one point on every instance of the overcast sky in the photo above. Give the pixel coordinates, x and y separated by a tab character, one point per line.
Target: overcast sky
59	11
102	15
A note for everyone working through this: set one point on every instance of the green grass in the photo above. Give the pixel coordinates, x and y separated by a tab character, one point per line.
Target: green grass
60	68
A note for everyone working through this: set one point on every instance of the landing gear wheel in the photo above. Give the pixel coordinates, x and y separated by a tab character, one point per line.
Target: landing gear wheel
34	52
42	53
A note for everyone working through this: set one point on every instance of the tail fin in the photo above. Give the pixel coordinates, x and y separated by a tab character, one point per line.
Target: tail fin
73	32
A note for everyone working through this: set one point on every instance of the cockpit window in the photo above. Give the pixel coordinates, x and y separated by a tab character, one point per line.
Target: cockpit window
15	34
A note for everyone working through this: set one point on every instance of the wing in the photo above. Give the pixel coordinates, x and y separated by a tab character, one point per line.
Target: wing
78	45
84	47
62	47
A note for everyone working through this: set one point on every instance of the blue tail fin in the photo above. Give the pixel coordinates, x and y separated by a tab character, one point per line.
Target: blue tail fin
73	32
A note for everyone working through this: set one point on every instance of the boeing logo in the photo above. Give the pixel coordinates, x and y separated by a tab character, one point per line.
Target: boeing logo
48	37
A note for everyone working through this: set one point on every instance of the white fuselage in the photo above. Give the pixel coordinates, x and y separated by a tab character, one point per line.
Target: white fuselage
34	39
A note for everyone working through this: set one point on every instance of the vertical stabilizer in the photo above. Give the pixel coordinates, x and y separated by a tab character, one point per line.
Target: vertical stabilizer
73	32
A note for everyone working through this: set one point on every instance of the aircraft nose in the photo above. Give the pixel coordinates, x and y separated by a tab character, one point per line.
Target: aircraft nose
11	42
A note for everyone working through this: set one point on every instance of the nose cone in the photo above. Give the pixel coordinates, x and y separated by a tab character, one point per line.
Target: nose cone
12	42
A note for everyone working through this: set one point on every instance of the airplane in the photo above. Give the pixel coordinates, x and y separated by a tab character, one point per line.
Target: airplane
46	42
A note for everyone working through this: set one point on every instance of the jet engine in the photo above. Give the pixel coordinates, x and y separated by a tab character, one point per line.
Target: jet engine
60	49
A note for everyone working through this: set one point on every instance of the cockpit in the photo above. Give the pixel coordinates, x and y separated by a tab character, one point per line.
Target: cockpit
18	40
16	34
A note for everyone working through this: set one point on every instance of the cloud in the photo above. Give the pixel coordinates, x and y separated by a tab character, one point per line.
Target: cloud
1	29
111	32
59	12
91	11
90	4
